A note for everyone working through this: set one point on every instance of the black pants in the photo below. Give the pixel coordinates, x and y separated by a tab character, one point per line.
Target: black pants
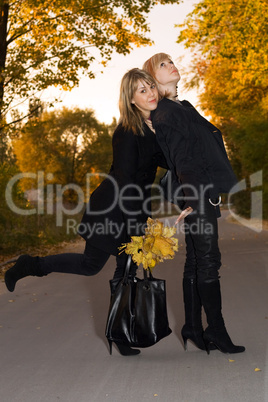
203	257
89	263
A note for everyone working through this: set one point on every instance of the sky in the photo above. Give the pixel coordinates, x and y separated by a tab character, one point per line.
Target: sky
101	94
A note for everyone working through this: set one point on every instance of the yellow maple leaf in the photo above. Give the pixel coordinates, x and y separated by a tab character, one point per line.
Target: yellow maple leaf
163	247
169	232
154	247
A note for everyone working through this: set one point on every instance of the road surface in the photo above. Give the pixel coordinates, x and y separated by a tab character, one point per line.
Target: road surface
53	347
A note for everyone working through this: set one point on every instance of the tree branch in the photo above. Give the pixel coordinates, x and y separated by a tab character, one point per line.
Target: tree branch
14	37
21	118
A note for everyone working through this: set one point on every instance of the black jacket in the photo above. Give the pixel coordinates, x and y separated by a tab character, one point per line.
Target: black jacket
193	148
120	206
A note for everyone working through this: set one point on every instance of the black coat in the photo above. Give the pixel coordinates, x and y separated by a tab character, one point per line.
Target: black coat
193	148
121	204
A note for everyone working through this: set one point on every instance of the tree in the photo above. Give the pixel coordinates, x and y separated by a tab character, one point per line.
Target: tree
50	42
231	36
65	145
230	46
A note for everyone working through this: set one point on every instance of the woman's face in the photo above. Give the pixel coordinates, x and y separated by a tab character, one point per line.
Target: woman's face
167	73
145	98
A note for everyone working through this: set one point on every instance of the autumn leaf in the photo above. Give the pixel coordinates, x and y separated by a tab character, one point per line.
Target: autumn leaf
154	247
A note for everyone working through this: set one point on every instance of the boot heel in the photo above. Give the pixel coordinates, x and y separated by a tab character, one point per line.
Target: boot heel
207	345
195	335
184	342
124	350
110	345
222	341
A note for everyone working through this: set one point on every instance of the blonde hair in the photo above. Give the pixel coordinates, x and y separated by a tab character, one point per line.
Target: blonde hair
153	63
130	116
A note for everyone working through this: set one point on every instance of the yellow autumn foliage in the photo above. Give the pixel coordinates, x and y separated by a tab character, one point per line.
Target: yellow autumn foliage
157	245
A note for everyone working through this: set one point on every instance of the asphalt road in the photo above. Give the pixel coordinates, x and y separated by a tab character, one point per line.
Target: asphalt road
53	347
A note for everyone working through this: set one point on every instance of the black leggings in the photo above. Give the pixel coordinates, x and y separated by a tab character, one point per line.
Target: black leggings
90	263
203	257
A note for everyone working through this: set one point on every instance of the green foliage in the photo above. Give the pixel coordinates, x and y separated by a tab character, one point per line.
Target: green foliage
230	63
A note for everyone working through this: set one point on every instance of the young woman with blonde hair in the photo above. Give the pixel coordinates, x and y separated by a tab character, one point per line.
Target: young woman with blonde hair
196	156
118	204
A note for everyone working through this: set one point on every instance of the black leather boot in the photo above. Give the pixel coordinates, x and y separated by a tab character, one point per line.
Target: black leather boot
192	328
25	266
123	349
216	333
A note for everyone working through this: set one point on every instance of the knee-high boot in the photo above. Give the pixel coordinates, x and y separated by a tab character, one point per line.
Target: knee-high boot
216	333
123	349
192	328
25	266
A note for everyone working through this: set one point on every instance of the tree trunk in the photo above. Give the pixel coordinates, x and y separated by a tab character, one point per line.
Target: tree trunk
4	8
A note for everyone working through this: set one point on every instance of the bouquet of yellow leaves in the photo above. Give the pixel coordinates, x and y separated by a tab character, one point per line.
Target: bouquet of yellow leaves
155	246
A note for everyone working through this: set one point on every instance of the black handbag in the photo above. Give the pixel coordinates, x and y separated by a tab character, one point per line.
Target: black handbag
137	314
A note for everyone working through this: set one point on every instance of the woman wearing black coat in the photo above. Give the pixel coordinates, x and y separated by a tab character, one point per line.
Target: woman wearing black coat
196	156
120	206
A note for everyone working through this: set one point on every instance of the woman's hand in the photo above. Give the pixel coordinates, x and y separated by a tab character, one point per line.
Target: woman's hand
183	214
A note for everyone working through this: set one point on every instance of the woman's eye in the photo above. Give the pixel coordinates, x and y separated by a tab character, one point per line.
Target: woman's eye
152	86
162	64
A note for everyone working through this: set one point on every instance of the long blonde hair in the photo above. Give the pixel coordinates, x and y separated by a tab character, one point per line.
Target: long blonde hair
153	63
130	116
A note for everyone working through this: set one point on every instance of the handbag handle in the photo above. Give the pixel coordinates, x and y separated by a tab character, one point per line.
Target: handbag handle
145	274
127	268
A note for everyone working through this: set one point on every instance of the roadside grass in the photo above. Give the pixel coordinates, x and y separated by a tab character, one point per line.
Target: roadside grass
36	235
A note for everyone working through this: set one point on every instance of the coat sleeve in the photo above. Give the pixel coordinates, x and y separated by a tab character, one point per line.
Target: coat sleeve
173	135
125	164
125	157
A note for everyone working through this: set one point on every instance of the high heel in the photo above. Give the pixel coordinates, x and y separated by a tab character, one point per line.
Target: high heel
192	329
184	338
196	336
209	345
110	345
215	334
124	350
221	340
